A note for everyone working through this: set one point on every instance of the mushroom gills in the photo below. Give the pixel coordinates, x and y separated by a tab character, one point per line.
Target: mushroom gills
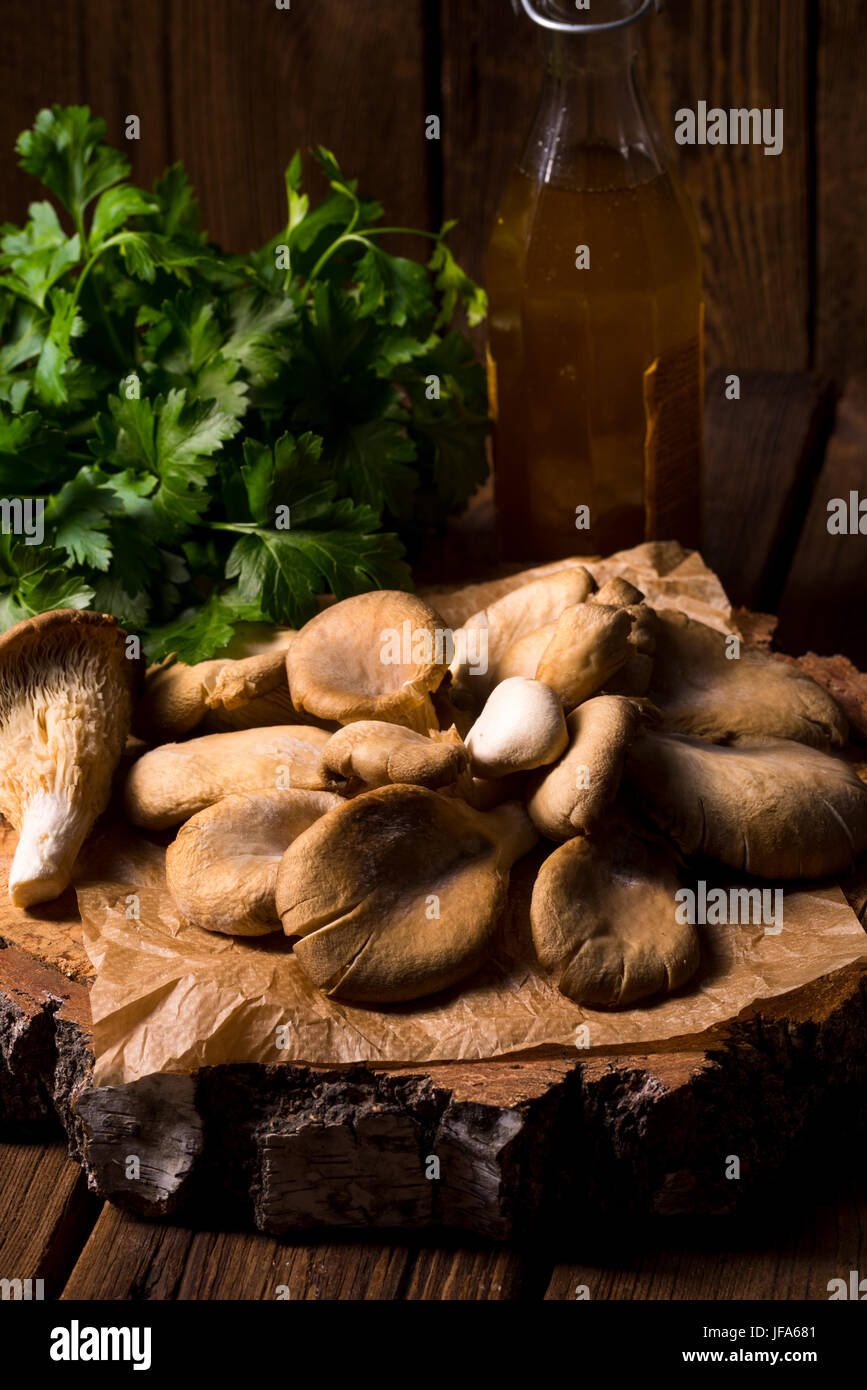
66	687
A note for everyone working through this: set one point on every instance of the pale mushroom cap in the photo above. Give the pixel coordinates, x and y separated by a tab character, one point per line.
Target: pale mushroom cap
603	915
777	809
704	693
66	687
171	783
377	754
523	656
513	616
572	796
342	663
618	593
397	893
221	870
521	726
589	645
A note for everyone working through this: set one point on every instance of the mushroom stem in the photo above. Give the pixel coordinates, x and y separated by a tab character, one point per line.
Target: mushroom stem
517	834
53	830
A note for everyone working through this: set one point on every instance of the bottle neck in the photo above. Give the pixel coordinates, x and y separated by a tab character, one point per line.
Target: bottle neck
591	127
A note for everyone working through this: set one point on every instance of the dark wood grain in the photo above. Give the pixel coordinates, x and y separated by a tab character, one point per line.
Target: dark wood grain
754	209
251	83
108	56
841	188
46	1213
792	1253
481	1275
825	597
126	1258
762	455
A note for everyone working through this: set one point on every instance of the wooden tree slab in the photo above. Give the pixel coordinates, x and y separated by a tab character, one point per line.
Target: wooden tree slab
502	1147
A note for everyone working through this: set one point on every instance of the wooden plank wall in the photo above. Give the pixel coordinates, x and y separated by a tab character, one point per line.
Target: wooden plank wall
233	86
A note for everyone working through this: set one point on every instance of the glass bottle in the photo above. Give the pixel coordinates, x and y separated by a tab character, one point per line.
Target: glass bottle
595	321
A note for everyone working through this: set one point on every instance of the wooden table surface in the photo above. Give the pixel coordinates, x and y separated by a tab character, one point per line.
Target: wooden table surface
773	461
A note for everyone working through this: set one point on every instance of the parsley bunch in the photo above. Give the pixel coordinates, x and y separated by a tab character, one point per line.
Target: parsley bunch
218	438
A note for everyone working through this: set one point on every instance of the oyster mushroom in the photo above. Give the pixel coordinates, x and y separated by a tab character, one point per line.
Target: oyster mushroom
375	656
603	915
375	753
177	697
397	893
171	783
521	727
66	690
706	694
571	797
504	622
776	808
589	645
221	870
633	677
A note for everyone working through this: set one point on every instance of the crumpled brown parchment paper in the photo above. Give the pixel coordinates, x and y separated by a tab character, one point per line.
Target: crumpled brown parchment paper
171	997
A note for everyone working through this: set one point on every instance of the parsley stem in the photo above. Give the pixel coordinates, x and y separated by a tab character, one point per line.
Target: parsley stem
368	232
89	264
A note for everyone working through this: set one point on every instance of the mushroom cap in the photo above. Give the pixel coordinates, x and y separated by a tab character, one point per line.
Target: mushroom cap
177	697
572	796
171	783
776	808
221	869
703	693
618	593
397	893
603	914
376	753
66	689
521	727
589	645
522	657
62	629
340	665
513	616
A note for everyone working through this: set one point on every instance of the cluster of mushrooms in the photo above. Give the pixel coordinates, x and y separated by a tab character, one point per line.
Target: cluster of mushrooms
373	807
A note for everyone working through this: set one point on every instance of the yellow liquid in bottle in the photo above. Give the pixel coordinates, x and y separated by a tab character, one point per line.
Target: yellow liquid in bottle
568	349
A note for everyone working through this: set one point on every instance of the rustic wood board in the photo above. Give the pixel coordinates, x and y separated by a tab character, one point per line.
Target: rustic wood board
825	596
45	1213
762	455
519	1144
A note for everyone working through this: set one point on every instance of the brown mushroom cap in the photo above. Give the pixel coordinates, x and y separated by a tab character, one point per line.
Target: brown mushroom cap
376	753
171	783
776	808
340	665
571	797
512	617
66	689
589	645
397	893
603	914
177	697
703	693
221	869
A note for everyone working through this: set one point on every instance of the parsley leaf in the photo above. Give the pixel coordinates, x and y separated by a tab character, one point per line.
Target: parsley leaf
218	438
